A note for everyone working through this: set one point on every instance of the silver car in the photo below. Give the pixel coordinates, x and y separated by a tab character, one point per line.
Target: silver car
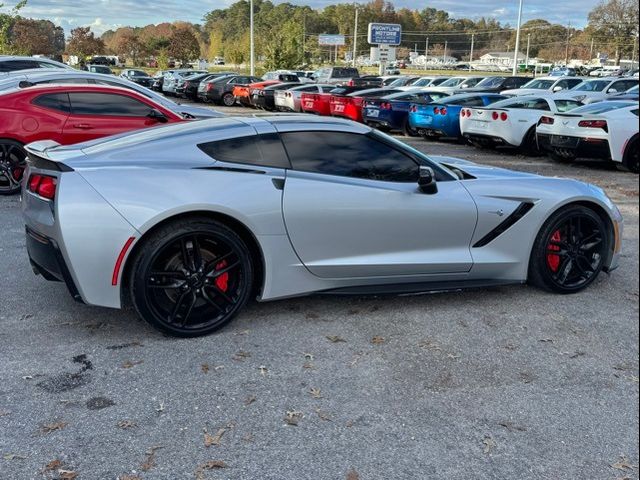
174	77
290	100
191	221
13	63
40	76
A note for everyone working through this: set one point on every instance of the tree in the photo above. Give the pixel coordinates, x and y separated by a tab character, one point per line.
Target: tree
31	37
615	23
183	43
6	22
84	43
284	51
127	43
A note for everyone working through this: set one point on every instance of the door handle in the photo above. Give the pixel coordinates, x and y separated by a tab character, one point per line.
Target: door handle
83	126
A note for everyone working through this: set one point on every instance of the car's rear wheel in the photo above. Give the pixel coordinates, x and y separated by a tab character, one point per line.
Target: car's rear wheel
191	277
409	131
530	144
630	161
228	100
12	165
570	251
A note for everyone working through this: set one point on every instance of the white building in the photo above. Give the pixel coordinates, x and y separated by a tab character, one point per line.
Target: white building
504	59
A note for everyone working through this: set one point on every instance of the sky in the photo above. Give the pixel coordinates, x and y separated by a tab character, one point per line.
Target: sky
103	15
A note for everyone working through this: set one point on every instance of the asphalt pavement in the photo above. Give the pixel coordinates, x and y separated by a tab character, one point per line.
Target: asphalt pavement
499	383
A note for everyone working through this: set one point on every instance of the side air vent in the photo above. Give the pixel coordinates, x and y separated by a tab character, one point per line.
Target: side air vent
514	218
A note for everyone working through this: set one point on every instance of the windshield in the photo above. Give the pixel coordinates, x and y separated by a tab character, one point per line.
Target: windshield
399	82
633	89
591	86
603	107
423	82
137	73
452	82
539	84
344	73
491	82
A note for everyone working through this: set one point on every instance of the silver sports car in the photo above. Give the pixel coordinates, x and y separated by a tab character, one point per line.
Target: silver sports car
188	222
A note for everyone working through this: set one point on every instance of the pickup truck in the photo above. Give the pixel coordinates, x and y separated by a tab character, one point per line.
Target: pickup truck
336	75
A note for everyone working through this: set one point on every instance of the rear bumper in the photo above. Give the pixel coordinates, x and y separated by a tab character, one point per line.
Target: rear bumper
487	139
46	259
575	146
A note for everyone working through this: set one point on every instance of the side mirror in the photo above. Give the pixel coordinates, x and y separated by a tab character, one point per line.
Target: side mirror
557	89
158	116
613	90
427	181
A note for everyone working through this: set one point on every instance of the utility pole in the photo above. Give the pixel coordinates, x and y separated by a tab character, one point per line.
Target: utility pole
591	52
515	55
426	54
252	53
355	38
304	35
473	39
446	45
566	54
526	65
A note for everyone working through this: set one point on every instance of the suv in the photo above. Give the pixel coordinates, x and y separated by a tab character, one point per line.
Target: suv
10	63
220	90
336	75
98	69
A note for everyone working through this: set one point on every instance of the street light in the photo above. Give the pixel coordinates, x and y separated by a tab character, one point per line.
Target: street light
515	55
251	41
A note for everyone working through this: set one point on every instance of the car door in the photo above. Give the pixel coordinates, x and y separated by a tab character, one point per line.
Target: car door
352	209
96	115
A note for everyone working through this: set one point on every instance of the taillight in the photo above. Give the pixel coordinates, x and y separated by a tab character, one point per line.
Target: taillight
504	117
436	110
413	109
351	83
385	106
209	87
443	111
43	185
463	113
547	121
495	115
594	124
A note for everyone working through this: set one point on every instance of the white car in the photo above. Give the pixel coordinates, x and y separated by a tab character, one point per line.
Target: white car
511	122
290	100
425	82
598	89
605	130
457	83
540	85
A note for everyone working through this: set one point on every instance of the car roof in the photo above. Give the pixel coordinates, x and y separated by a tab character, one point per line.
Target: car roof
70	88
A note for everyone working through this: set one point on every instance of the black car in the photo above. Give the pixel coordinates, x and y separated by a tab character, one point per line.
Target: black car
497	84
188	87
138	76
220	90
264	98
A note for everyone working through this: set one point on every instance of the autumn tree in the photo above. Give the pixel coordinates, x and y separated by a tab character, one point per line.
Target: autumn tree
31	37
84	43
183	44
615	23
127	43
6	22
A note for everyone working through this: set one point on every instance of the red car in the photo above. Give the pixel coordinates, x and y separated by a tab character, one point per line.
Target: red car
350	106
68	114
320	103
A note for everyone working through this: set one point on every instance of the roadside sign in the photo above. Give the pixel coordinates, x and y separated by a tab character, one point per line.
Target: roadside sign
331	40
385	33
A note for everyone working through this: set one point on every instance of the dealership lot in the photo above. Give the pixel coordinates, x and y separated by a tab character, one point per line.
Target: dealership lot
494	383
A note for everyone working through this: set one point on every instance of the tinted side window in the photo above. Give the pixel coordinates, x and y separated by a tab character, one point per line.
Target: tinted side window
348	155
260	150
57	101
107	104
473	102
71	81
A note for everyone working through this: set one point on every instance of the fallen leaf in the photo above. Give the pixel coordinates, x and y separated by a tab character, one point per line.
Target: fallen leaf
14	456
4	413
215	439
324	416
308	366
67	475
52	466
128	364
263	370
293	418
241	356
353	475
378	340
336	339
212	465
126	424
624	464
512	427
205	368
546	340
53	427
489	445
150	462
316	393
430	345
129	477
634	379
250	399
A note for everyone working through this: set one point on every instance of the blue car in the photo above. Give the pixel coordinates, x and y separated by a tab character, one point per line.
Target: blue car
390	113
442	119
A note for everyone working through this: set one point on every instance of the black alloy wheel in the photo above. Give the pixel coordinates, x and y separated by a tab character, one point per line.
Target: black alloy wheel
191	278
12	166
570	251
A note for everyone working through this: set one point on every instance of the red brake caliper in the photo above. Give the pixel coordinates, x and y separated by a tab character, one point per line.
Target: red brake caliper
222	282
554	260
17	173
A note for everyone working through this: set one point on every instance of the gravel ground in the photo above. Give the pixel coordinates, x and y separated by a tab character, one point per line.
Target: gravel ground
501	383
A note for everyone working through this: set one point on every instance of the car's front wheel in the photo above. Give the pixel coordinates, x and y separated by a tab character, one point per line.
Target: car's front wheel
570	251
12	165
191	277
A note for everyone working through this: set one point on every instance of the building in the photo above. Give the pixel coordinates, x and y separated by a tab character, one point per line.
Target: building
501	59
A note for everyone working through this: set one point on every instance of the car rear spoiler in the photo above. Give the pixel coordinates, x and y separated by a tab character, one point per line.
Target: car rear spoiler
39	156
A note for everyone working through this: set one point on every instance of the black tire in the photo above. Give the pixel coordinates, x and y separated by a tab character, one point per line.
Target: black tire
529	145
570	251
208	277
630	161
409	131
12	165
228	100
